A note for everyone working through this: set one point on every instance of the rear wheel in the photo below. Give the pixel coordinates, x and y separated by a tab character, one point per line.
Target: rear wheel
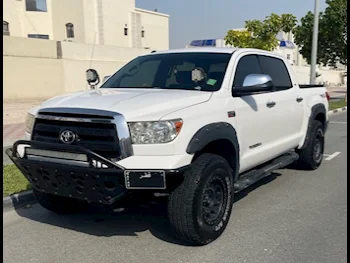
59	204
199	209
311	156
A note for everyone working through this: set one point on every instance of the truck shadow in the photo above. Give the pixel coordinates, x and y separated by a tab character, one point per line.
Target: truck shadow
134	220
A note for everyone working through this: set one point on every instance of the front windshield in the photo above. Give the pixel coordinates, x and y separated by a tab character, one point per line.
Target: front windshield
173	71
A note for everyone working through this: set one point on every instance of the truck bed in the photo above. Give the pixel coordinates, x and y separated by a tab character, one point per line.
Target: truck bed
305	86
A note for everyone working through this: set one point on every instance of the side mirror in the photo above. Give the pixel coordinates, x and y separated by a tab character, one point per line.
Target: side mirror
92	78
255	83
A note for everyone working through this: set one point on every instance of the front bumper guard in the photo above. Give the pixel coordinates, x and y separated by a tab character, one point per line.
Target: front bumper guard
81	180
75	172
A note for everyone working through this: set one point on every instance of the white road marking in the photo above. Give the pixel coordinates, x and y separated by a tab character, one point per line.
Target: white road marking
330	157
339	122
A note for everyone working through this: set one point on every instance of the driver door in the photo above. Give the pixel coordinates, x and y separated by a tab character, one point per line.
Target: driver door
255	123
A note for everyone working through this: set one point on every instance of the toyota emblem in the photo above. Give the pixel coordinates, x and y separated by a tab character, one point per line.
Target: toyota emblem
67	137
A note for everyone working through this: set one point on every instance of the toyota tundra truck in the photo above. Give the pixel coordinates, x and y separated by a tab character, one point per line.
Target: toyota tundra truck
196	125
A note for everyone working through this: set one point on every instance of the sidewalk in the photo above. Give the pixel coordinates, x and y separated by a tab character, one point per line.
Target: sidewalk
336	92
15	111
12	132
14	115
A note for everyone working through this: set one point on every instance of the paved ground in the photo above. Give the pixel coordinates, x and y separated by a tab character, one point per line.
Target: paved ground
12	132
14	111
336	93
292	216
14	114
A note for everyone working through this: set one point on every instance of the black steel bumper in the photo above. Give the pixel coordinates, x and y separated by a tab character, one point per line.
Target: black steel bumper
95	180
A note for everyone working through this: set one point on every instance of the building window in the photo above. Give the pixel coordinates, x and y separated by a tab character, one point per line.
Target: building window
38	36
70	30
143	33
126	30
5	28
36	5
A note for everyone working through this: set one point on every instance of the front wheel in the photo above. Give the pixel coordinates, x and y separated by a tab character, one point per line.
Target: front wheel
310	158
199	209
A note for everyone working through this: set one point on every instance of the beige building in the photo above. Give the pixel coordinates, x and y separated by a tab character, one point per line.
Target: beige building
51	43
102	22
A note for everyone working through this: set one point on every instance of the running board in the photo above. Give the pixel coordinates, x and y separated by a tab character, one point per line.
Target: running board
252	176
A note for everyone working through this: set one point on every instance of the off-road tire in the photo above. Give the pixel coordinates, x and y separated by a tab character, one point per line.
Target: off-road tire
188	204
59	204
308	158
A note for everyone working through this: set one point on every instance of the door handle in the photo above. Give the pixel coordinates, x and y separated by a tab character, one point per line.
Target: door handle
299	99
270	104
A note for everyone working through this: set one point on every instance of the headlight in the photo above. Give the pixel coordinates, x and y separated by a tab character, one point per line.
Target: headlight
30	123
154	132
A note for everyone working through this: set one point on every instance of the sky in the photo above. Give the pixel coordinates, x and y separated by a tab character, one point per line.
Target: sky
204	19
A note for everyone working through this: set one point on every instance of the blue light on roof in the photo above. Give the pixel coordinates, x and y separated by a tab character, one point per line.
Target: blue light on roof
197	43
288	44
203	43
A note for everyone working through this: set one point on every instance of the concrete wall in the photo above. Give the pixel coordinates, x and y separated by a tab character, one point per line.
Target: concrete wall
35	68
78	57
31	69
29	47
328	77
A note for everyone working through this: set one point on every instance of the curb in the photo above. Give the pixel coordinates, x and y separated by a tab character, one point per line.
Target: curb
18	200
337	110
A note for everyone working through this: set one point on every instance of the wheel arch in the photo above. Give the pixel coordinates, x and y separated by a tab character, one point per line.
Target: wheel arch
318	112
218	138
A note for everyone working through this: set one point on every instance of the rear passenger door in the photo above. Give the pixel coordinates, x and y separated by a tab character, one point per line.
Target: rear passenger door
288	111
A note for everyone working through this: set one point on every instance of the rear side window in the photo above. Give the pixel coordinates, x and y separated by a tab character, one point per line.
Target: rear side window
247	65
277	70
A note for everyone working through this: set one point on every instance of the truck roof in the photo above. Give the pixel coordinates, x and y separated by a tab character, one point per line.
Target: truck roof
228	50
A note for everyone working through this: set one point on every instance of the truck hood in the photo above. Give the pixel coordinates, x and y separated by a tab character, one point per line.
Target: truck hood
134	104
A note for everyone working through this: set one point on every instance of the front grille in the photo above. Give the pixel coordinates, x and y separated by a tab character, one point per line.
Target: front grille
101	138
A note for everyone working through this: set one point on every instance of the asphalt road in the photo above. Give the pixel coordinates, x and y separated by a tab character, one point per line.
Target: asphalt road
292	216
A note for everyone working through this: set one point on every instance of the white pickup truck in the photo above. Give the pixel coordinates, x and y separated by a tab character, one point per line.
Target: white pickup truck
197	125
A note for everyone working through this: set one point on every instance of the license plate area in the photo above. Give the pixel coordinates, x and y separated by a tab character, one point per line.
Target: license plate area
135	179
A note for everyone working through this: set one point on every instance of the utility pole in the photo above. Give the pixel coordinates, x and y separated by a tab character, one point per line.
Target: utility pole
314	46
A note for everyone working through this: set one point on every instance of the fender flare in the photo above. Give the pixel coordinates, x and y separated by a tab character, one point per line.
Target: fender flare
315	110
213	132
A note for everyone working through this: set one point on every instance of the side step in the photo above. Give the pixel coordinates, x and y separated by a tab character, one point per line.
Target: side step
252	176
